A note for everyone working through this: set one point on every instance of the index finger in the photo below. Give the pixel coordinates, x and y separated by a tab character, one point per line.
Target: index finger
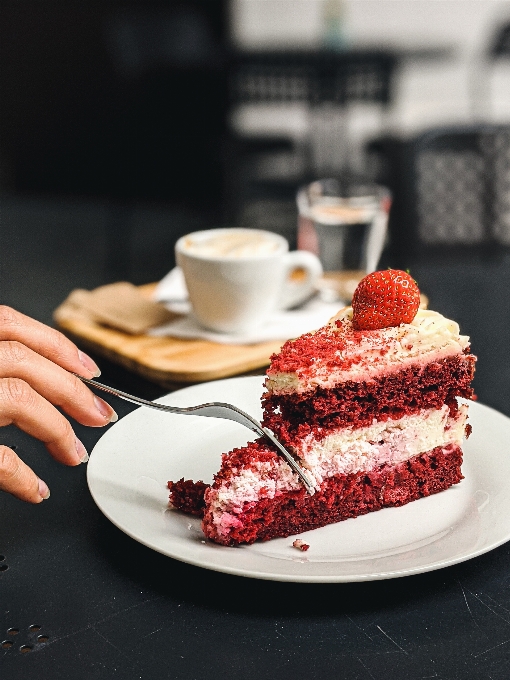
46	341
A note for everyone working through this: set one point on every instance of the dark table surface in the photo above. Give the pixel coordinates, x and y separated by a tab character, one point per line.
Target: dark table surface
81	600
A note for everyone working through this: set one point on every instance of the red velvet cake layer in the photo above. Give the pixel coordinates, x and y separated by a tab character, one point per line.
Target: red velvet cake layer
358	403
188	496
342	497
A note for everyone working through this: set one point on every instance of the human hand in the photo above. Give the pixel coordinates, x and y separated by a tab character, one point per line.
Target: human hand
35	378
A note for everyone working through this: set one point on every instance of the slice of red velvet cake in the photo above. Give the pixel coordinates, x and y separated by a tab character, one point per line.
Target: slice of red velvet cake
371	413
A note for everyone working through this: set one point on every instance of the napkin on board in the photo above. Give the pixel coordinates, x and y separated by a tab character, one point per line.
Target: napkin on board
281	325
117	305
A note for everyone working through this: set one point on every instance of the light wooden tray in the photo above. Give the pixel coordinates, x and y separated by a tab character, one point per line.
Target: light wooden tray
168	361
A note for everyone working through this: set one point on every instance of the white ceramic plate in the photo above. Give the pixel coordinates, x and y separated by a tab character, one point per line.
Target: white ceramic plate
131	463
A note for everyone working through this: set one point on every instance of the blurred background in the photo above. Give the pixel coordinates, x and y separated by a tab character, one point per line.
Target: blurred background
127	124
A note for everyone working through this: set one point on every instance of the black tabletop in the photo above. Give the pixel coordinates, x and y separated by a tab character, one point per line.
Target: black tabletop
79	599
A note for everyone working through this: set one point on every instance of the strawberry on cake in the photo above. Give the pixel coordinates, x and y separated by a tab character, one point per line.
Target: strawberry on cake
367	404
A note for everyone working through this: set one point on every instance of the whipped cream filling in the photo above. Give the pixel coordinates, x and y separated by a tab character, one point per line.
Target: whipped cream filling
369	354
343	451
348	450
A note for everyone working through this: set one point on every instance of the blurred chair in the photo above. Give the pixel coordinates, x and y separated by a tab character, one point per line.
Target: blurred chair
451	189
324	84
306	114
497	81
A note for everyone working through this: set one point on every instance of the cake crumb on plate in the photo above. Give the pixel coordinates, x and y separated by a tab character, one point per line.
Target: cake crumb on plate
300	545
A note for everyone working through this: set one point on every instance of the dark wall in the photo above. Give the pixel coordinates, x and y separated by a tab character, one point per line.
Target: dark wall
114	100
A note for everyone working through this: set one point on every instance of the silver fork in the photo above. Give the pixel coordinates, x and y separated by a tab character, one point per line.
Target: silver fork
213	409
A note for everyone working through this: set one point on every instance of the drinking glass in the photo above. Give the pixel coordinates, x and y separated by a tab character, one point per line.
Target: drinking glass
344	222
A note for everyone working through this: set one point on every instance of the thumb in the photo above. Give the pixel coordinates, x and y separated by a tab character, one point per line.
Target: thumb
20	480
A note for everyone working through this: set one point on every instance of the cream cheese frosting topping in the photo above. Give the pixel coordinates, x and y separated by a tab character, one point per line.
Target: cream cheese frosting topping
428	329
362	355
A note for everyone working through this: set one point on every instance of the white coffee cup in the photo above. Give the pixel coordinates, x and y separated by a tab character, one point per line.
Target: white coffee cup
237	277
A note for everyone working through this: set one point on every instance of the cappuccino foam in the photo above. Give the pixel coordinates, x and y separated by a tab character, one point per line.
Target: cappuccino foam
231	244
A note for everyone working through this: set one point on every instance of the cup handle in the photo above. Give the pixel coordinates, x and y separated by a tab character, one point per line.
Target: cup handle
303	272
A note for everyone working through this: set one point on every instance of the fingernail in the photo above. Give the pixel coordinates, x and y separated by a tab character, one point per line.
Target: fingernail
89	364
106	410
44	492
81	451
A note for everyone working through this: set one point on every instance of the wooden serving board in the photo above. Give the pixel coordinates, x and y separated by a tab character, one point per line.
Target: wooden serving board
168	361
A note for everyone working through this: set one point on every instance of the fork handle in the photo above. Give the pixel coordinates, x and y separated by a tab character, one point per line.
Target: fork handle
242	418
123	395
212	410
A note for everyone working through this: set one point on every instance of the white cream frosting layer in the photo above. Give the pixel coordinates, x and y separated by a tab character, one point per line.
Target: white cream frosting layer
369	354
347	450
344	451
